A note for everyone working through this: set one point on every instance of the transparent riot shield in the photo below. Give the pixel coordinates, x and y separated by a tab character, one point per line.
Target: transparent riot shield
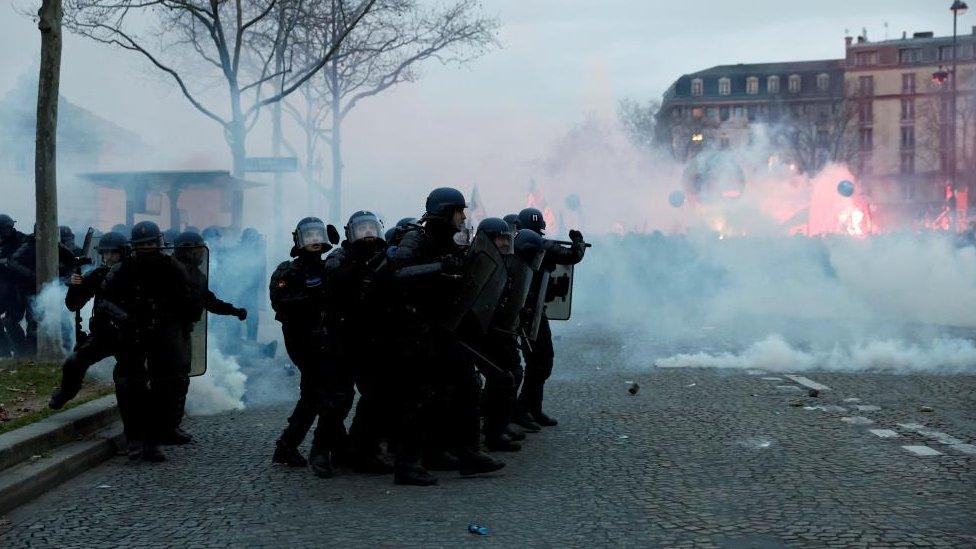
484	280
559	298
535	305
516	292
196	261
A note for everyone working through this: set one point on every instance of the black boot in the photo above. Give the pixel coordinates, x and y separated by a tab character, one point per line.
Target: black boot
61	397
475	463
321	464
526	422
502	443
134	450
413	476
176	437
441	461
514	433
288	455
542	419
151	452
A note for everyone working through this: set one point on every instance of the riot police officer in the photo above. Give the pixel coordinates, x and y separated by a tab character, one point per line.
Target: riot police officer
539	358
359	323
512	220
190	252
12	302
298	296
149	298
99	344
453	415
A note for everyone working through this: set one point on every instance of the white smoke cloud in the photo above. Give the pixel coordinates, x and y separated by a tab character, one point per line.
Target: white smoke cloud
52	317
220	389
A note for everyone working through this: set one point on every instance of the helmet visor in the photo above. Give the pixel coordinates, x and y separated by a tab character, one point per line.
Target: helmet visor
365	227
505	242
312	233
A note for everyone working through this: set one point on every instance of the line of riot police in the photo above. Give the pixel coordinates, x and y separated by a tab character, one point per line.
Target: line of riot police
413	319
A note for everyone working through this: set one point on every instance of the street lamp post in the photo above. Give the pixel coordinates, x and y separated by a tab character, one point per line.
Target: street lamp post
958	8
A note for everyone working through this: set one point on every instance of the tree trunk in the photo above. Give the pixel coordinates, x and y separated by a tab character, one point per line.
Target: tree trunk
236	136
45	163
276	233
335	205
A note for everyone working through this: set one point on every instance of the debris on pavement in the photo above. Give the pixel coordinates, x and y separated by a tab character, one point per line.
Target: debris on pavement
926	409
814	393
634	387
796	403
477	529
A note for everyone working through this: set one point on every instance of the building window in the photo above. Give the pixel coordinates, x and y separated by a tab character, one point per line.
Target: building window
724	86
822	137
908	163
864	163
865	85
723	142
865	113
908	82
772	84
774	113
866	139
865	58
823	81
794	84
751	113
737	111
697	112
712	112
752	85
908	137
723	113
907	110
910	56
945	53
697	86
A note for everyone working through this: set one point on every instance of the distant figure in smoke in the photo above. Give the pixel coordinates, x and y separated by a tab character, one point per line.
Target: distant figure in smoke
539	360
152	299
251	256
190	250
13	304
99	344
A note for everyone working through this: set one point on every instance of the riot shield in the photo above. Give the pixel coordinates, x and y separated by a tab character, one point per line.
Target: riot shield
483	282
516	292
535	305
559	298
196	257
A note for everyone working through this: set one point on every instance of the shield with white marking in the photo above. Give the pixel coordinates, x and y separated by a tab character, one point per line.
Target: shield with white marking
196	261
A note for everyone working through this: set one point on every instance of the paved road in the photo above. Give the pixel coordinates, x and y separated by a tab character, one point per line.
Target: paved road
698	458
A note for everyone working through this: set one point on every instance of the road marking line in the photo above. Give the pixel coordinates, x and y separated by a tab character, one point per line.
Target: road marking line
884	433
931	433
756	372
788	388
808	383
772	379
867	408
965	448
852	399
826	408
922	450
857	420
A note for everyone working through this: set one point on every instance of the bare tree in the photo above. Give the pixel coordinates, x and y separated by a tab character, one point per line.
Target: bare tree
385	49
814	134
639	121
45	162
218	34
931	130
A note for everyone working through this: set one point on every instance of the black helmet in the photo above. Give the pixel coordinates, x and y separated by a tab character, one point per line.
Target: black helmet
363	224
531	218
512	220
250	235
6	222
493	226
65	234
111	242
192	229
406	221
145	231
442	202
119	228
390	235
186	238
310	230
169	236
211	233
528	243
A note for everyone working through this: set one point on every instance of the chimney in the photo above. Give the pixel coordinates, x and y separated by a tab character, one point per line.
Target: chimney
904	34
926	34
848	39
861	40
974	29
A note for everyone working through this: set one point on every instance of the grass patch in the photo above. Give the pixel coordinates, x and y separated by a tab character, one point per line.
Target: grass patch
25	388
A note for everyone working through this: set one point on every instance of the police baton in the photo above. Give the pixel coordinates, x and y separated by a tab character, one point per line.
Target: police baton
571	243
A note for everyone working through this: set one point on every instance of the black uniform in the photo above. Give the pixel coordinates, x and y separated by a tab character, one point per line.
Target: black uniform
538	360
13	304
22	265
452	416
298	296
360	319
99	343
149	297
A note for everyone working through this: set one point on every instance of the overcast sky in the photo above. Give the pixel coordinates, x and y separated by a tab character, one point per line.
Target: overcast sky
559	59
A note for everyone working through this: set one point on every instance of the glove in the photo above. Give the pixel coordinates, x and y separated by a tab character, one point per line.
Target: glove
241	314
576	236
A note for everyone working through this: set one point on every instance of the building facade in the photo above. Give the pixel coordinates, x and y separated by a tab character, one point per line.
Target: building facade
903	92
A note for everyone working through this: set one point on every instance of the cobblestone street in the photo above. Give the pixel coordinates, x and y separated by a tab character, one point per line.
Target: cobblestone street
698	457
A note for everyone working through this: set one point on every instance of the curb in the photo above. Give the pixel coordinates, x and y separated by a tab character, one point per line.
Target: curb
26	481
39	456
55	430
